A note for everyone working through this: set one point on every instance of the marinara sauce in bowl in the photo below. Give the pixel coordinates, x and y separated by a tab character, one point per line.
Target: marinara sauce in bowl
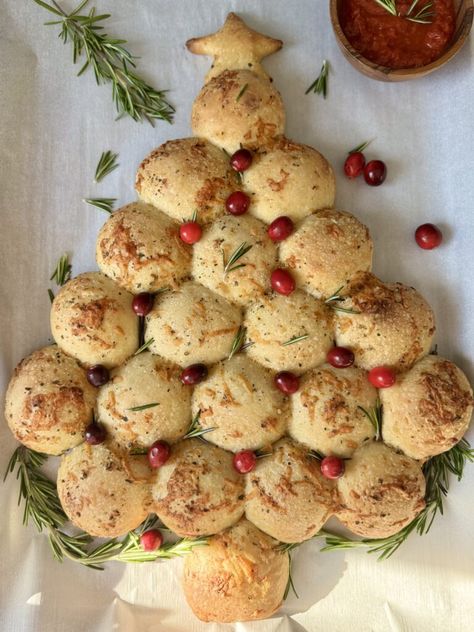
421	37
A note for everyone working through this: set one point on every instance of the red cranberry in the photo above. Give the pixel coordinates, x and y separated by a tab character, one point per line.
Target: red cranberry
287	382
354	164
375	172
244	461
190	232
241	160
280	228
237	203
332	467
98	375
382	377
193	374
142	303
151	540
340	357
158	454
95	434
282	281
428	236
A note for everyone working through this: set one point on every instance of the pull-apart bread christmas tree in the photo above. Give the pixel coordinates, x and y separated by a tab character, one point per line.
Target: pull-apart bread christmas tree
248	298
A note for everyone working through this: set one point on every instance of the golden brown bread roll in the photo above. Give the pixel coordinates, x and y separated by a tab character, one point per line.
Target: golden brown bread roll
92	320
428	409
380	491
49	402
286	494
198	491
240	575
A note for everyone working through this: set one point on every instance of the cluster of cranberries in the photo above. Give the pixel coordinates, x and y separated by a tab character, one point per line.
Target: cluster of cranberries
374	171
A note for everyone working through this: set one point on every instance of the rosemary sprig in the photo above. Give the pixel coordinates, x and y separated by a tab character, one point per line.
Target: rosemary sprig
436	471
110	62
239	252
290	584
360	147
137	409
105	204
375	417
294	340
424	14
238	343
144	346
336	298
242	92
62	271
320	84
195	428
43	507
107	163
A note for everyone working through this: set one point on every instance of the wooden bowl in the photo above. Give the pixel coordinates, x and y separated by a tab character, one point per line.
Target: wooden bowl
464	14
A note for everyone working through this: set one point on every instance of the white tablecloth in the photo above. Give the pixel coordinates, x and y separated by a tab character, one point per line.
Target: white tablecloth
52	130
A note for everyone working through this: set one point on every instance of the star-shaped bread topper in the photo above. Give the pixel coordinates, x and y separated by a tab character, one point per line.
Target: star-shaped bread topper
234	46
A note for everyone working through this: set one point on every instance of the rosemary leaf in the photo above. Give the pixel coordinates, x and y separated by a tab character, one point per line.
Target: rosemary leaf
195	429
144	346
294	340
388	5
319	85
375	417
105	204
107	163
137	409
242	92
289	585
239	252
424	15
336	298
110	62
360	147
238	342
62	271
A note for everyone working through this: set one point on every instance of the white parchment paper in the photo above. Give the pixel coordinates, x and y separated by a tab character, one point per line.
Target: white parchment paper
53	129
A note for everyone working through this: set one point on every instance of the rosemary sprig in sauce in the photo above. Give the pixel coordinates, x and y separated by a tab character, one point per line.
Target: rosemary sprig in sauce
422	15
110	62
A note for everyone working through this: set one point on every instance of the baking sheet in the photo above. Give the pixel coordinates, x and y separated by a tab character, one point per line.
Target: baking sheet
53	129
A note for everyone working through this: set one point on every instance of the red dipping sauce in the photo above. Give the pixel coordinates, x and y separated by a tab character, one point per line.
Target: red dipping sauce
394	41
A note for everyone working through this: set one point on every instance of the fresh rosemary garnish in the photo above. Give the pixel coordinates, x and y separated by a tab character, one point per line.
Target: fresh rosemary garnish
62	271
239	252
294	340
110	62
238	343
137	409
107	163
43	507
436	471
360	147
144	346
320	84
375	417
242	92
105	204
290	584
195	428
337	298
423	15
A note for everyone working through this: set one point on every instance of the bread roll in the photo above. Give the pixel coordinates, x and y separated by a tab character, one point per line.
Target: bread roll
381	491
198	491
240	576
49	402
98	493
140	249
428	409
392	324
192	325
251	120
326	250
241	404
184	176
216	247
145	379
286	494
327	413
92	320
288	178
275	319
